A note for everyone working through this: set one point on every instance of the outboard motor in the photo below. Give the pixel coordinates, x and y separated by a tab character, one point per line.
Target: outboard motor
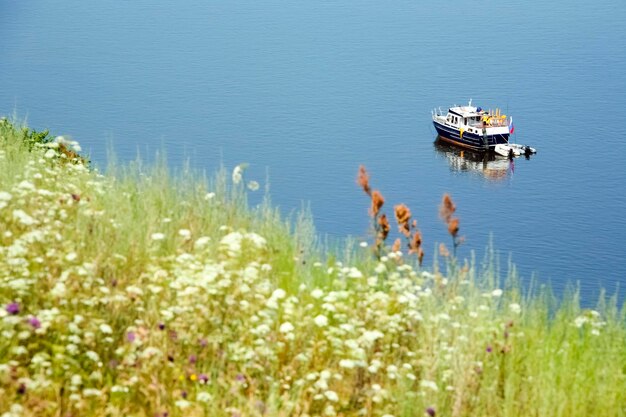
527	152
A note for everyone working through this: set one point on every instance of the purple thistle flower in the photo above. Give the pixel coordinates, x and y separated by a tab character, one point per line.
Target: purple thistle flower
431	411
21	389
13	308
203	378
203	342
193	359
489	349
130	336
184	394
161	326
34	321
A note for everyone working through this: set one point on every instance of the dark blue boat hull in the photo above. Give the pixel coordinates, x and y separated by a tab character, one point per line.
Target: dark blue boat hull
468	139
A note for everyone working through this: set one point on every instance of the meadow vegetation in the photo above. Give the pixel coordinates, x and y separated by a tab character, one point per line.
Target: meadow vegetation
144	292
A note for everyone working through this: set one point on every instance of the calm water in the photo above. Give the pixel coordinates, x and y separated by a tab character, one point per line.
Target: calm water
307	90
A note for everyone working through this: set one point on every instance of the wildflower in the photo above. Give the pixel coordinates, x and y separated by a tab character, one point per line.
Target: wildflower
209	196
515	308
415	243
279	294
321	320
106	329
363	244
443	250
384	227
157	236
238	173
496	293
331	396
23	218
347	363
429	384
13	308
286	327
377	202
253	185
203	378
130	336
403	216
363	180
447	208
431	411
185	234
453	226
317	293
204	397
34	322
489	349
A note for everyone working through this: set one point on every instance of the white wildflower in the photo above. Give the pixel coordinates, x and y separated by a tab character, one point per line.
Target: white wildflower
372	335
50	153
347	363
496	293
321	320
76	380
429	384
26	185
22	217
71	257
317	293
182	404
286	327
92	392
355	273
253	185
209	196
363	244
185	234
331	396
106	329
279	294
201	242
157	236
238	173
580	321
92	355
515	308
119	389
204	397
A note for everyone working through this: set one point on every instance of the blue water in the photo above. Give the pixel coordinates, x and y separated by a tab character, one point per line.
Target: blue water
306	91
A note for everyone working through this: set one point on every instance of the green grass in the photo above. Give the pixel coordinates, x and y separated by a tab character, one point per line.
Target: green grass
142	292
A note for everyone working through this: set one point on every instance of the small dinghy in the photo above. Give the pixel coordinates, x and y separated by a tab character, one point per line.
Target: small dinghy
513	149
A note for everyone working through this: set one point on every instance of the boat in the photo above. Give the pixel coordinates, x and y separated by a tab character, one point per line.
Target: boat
513	150
473	127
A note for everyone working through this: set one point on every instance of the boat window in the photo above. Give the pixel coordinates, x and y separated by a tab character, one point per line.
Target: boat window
465	120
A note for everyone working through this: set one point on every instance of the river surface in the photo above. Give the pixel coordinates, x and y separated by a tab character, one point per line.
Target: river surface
306	91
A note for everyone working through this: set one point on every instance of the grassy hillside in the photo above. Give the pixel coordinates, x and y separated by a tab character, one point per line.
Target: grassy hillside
145	293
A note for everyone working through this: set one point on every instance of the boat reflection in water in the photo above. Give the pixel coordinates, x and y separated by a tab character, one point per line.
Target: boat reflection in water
485	164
